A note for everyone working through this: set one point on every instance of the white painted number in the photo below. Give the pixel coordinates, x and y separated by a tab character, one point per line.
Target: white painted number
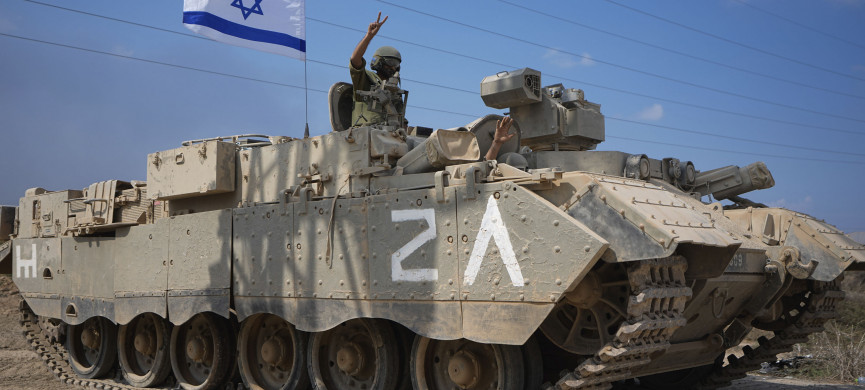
420	274
28	265
493	228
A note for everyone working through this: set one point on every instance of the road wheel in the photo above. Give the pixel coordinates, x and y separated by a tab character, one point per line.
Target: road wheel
358	354
463	364
272	354
91	348
202	352
143	347
591	314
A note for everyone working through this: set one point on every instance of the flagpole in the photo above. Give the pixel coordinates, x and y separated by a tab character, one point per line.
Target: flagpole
305	99
305	86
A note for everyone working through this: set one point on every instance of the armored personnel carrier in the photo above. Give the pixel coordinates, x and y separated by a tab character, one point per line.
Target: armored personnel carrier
391	257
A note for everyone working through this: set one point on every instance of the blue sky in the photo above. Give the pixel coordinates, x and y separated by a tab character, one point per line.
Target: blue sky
671	77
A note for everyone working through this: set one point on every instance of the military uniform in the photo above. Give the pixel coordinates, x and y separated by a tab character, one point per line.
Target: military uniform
363	80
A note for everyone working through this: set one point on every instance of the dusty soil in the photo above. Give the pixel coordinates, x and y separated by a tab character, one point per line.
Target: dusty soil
21	368
756	382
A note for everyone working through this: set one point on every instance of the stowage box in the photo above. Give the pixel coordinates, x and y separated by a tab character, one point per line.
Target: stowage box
194	170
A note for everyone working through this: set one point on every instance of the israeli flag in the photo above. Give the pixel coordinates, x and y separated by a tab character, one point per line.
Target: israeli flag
275	26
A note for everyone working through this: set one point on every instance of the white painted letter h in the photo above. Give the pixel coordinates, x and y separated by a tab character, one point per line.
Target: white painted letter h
28	265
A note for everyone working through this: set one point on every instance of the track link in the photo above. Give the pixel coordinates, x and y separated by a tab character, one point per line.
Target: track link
818	307
655	308
55	358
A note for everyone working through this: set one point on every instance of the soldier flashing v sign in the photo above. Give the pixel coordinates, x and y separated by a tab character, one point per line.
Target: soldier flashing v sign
385	64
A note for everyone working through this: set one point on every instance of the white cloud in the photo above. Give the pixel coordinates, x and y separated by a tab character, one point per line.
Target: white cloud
565	60
801	205
587	60
653	113
122	51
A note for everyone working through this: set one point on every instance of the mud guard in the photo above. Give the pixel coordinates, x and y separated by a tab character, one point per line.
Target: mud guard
817	241
644	221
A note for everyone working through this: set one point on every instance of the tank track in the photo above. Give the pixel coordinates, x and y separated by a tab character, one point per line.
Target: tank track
817	308
655	311
55	358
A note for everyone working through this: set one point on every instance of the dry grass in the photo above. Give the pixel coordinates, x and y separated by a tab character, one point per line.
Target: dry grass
838	353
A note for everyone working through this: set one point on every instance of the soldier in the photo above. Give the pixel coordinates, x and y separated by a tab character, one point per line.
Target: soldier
385	63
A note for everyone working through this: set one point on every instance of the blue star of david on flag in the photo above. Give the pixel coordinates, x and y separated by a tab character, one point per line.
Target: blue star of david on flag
255	9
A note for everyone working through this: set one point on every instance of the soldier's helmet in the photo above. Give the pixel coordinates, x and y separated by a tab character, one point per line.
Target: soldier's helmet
385	55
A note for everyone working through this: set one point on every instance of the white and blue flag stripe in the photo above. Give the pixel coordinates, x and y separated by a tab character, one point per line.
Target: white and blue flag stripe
275	26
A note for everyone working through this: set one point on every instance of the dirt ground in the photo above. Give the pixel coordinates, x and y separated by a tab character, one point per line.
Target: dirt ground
21	368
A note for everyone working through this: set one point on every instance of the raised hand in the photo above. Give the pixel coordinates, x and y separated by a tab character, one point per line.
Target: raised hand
500	137
502	128
357	54
375	26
